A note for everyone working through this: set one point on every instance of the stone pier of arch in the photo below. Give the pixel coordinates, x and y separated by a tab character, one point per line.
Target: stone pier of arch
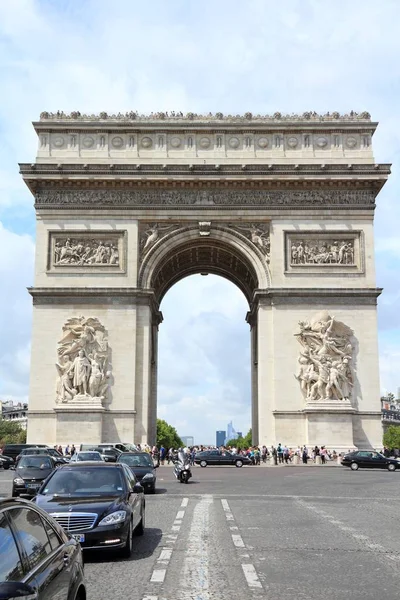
127	206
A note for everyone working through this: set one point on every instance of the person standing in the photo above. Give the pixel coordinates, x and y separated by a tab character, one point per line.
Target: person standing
162	454
73	450
279	451
305	455
274	455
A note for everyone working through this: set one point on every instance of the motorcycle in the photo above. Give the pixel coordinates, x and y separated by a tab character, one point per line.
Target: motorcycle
182	469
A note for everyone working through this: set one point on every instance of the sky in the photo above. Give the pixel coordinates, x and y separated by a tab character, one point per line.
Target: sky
231	56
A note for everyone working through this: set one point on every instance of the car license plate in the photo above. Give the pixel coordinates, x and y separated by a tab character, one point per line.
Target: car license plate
79	537
33	486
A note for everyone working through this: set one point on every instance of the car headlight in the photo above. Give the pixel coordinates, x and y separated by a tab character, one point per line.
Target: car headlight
148	476
116	517
19	481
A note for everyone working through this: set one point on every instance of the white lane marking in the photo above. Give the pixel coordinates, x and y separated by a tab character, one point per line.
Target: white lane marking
359	537
237	540
158	575
194	581
165	554
180	514
175	527
184	502
150	597
248	568
251	576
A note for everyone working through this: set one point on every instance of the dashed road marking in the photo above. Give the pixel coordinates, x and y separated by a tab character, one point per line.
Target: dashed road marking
184	502
251	576
180	514
248	568
158	575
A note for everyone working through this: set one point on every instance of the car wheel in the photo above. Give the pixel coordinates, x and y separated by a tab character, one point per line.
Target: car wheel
6	467
80	595
239	463
391	467
127	549
354	466
140	527
203	463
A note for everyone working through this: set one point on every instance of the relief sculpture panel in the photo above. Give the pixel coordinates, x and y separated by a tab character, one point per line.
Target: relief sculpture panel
83	367
325	360
324	252
98	250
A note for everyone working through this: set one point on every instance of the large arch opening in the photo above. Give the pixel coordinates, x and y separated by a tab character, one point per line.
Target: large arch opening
204	373
185	256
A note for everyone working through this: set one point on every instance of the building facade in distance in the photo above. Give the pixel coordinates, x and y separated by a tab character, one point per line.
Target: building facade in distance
282	206
220	437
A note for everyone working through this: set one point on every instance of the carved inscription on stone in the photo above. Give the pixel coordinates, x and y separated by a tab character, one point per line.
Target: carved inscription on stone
324	252
73	249
83	367
325	372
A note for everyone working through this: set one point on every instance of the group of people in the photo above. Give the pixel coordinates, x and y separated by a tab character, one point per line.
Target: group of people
340	253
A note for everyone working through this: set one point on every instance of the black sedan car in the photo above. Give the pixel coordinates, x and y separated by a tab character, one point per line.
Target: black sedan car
100	504
30	473
142	466
220	457
369	459
6	462
49	451
38	559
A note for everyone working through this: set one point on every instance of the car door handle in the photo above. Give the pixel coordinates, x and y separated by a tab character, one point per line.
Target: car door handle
66	559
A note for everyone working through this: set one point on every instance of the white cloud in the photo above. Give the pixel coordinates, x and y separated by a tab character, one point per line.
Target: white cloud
259	56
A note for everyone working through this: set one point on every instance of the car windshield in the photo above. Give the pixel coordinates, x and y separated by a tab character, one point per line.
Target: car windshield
34	462
85	481
136	460
88	456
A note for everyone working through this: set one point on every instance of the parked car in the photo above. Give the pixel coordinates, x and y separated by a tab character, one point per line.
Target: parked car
6	461
87	455
109	453
142	465
121	446
13	450
30	472
100	504
368	459
220	457
37	553
49	451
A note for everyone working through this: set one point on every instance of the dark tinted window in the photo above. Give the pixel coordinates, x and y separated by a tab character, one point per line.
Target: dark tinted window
130	476
84	481
55	542
32	534
35	462
10	563
136	460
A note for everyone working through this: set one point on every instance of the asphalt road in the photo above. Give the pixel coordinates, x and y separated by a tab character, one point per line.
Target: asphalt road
298	533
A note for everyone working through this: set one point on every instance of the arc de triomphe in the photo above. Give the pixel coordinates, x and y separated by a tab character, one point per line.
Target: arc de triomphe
282	206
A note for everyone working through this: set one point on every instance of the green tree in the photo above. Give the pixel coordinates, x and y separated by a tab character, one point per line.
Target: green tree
391	438
242	443
167	435
11	433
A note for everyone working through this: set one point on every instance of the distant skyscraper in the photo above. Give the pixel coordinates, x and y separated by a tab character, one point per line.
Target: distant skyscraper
231	433
187	440
220	438
239	434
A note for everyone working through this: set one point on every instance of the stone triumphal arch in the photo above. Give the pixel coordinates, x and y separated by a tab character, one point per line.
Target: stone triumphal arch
282	206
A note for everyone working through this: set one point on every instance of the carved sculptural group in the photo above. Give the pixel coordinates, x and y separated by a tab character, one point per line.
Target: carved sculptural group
329	252
83	368
85	252
325	359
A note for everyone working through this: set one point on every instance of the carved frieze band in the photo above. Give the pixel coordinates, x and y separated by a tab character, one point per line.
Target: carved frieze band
316	252
209	198
76	250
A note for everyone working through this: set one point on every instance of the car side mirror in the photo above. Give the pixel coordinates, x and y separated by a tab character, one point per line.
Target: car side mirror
24	497
138	488
15	589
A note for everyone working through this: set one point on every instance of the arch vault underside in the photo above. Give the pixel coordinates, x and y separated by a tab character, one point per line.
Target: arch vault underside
283	207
